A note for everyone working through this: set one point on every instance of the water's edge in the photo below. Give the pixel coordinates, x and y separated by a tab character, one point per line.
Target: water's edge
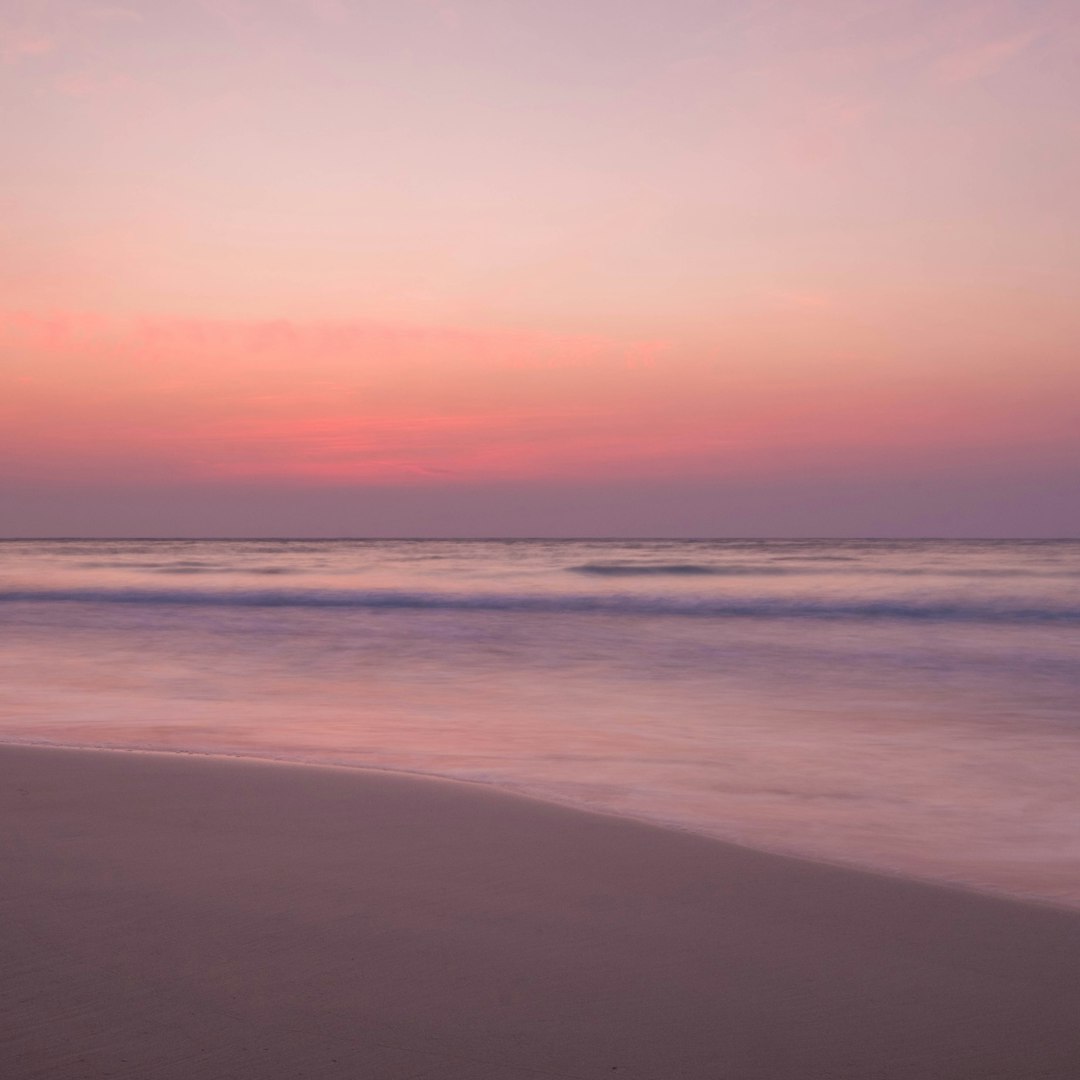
890	873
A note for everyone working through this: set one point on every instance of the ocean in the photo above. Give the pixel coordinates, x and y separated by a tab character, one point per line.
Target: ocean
906	706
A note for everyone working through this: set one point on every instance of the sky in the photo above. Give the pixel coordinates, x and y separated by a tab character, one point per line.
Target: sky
540	267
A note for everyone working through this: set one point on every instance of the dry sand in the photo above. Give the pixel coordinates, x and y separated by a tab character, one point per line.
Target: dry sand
194	919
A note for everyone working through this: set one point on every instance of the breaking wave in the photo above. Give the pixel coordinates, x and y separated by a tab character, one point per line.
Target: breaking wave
913	608
769	569
615	569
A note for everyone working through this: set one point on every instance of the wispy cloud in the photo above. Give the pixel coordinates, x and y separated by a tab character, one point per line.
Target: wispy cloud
979	61
261	341
349	401
115	14
31	28
805	299
87	85
245	17
329	11
239	15
448	14
824	127
29	45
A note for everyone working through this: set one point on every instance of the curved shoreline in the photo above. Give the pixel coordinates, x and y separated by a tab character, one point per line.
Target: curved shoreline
652	821
173	915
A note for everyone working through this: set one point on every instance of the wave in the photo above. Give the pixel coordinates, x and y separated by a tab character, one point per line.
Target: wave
614	569
948	610
188	567
262	570
617	569
817	558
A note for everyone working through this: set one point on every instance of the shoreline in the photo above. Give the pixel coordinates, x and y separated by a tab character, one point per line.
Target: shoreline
647	821
172	915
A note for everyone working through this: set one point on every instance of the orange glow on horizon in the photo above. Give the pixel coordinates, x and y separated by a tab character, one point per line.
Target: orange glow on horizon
331	243
362	403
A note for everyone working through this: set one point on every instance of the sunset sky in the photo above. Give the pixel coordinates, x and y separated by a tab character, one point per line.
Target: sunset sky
540	267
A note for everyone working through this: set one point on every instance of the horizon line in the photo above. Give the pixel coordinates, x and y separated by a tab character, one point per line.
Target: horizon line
530	539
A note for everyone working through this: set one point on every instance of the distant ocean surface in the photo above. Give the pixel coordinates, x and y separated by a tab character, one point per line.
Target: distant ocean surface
911	706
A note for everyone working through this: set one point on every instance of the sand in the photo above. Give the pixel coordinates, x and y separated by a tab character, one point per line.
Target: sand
179	918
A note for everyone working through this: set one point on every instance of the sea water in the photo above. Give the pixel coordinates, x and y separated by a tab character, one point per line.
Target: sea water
908	706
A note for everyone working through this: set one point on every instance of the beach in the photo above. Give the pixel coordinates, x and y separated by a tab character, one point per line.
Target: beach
540	540
902	706
172	916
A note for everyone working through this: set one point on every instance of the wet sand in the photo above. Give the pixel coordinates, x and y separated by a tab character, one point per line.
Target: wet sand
175	917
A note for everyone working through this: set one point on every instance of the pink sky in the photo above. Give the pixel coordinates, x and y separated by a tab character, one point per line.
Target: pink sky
531	266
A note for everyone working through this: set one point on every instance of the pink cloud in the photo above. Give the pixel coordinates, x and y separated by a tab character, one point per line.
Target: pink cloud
261	29
110	14
824	128
448	15
330	11
515	443
14	45
364	402
240	16
980	61
806	299
258	342
87	84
